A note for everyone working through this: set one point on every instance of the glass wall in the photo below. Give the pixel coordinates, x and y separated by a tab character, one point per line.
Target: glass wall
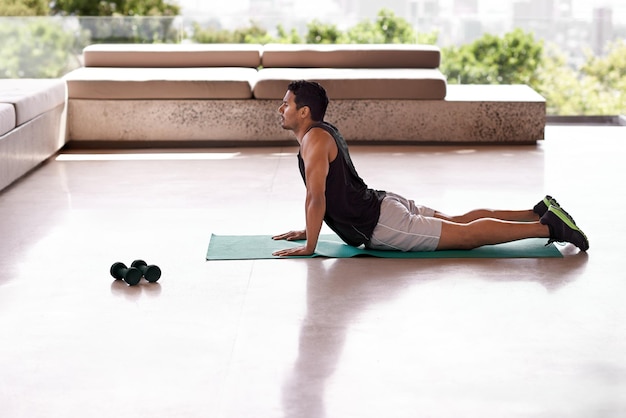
49	47
43	47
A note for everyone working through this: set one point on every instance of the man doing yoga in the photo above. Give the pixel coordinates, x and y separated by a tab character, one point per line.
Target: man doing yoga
381	220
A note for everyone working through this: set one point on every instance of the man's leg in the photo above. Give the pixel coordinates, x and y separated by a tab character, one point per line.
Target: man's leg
530	215
465	236
555	224
404	226
504	215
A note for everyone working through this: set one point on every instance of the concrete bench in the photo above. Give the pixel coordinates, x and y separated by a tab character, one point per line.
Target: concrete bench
151	94
31	113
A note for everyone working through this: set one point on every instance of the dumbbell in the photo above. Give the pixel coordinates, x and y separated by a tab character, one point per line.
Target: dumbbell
151	272
131	275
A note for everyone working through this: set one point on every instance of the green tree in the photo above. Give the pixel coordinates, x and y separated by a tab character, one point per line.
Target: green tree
211	35
149	8
253	33
598	87
37	48
85	7
558	84
609	69
114	7
129	29
24	8
387	29
322	33
395	30
430	38
364	32
139	21
284	37
511	59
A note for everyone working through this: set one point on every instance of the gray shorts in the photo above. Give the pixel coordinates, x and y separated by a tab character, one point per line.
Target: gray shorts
405	226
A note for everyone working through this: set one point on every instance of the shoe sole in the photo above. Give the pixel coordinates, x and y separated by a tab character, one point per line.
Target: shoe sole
567	220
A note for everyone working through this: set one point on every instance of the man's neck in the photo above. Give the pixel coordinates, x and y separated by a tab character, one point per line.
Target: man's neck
301	133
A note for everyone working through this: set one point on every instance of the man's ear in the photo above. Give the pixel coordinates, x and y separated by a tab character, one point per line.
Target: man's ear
305	111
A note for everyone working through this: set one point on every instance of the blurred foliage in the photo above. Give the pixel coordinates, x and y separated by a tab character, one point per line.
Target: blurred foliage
129	21
24	8
114	8
36	48
129	29
46	48
511	59
387	28
323	33
251	34
598	87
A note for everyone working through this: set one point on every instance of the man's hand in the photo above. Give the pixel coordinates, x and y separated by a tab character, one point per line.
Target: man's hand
290	252
291	236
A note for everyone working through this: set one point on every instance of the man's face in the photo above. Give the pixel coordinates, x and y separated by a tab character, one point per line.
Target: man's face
288	111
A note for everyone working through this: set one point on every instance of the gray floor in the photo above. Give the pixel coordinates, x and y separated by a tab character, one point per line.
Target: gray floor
314	337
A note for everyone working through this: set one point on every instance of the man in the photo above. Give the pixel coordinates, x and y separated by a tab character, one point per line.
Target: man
381	220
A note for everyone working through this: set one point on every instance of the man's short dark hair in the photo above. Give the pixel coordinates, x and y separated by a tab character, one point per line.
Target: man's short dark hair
311	94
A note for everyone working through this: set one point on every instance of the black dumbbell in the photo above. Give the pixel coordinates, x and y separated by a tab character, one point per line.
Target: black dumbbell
131	275
151	272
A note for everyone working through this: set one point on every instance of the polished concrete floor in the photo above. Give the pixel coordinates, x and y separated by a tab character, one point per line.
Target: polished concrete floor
308	338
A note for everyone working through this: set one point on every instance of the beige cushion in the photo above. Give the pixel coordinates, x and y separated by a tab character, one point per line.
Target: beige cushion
31	97
172	55
351	56
340	83
7	118
160	83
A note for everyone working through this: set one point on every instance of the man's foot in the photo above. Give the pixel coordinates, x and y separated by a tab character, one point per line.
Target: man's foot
542	207
563	228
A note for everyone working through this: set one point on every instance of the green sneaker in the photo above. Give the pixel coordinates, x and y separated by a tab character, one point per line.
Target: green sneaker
563	228
542	207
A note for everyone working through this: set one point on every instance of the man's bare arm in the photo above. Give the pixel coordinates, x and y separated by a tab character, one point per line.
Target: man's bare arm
315	150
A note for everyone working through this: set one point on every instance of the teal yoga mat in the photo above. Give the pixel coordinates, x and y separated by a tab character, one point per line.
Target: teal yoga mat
253	247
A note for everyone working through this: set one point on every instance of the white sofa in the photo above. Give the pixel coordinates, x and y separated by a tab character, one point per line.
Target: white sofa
31	124
147	95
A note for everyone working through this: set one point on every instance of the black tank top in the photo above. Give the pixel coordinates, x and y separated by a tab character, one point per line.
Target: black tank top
352	209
